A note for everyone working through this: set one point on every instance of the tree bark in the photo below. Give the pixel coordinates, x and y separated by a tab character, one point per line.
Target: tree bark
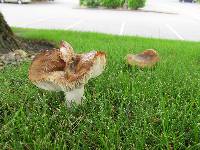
8	41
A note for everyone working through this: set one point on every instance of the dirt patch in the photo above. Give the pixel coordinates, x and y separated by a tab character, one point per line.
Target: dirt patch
37	45
32	45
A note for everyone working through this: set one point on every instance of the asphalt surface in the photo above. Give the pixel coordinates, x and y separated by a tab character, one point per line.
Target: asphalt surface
166	19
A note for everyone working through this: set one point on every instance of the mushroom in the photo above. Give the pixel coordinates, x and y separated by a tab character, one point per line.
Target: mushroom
147	58
63	70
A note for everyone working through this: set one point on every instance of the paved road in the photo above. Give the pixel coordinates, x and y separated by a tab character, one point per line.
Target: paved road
166	19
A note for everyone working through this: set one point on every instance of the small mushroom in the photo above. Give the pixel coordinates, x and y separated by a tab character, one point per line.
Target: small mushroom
147	58
63	70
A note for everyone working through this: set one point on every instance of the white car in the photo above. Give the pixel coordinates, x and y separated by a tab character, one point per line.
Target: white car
16	1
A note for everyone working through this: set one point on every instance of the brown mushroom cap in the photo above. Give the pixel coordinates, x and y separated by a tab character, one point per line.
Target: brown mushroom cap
87	66
44	64
50	61
84	67
147	58
62	70
67	52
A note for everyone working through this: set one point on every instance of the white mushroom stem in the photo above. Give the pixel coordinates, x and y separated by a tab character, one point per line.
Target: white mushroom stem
75	95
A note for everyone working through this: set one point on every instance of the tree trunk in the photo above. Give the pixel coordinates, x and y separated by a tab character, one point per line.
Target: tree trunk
8	41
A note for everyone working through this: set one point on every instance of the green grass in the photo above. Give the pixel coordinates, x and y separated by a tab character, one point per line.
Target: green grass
125	108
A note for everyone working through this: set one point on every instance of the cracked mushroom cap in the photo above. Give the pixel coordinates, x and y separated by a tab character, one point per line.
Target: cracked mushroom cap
62	70
50	62
147	58
86	66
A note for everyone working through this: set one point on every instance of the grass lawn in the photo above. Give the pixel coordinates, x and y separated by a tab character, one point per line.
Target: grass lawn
125	108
